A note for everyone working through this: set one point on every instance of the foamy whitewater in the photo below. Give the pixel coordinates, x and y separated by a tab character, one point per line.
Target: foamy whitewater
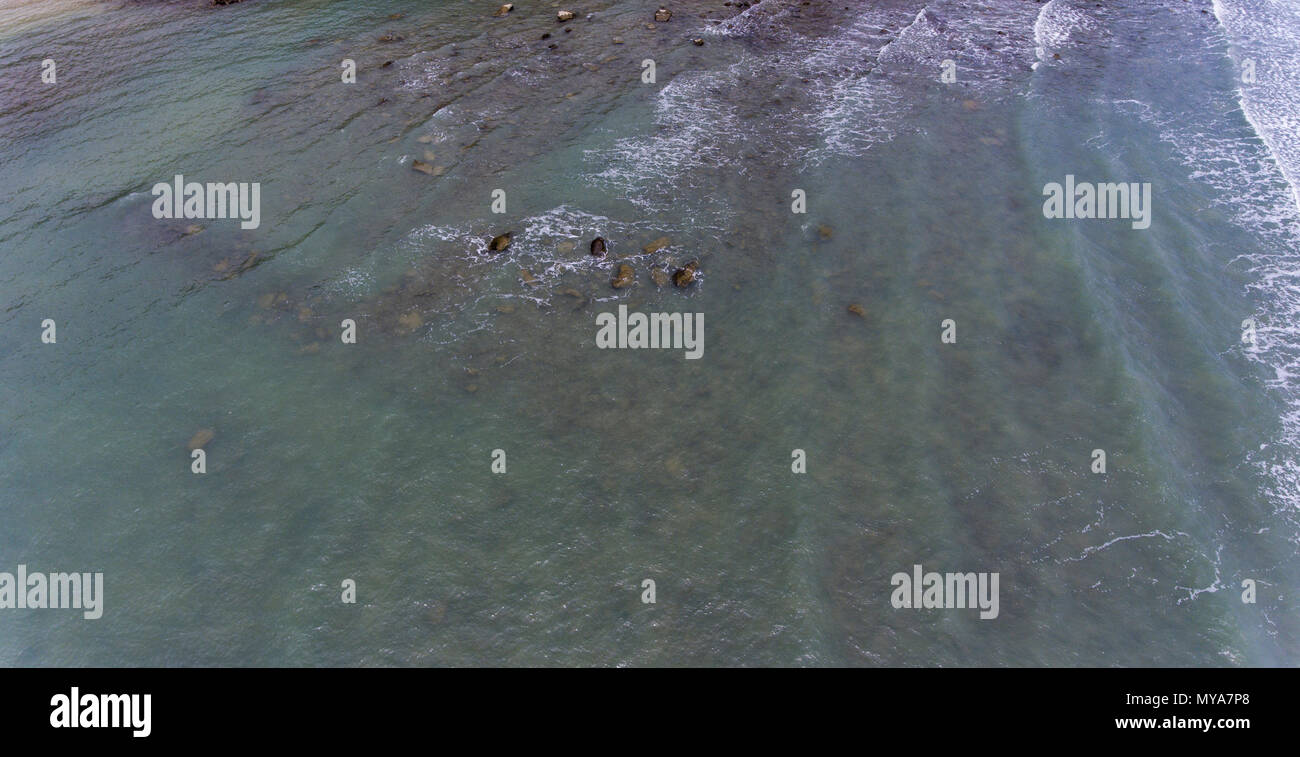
916	137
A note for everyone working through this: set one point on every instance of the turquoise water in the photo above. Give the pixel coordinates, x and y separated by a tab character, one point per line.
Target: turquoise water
372	461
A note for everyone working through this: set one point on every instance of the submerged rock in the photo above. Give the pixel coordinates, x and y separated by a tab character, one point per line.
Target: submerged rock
663	14
500	242
685	276
625	276
825	231
273	300
858	310
422	167
656	245
201	439
598	247
577	296
229	270
410	321
659	277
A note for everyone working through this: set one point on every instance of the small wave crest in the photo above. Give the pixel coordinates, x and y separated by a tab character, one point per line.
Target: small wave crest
1056	25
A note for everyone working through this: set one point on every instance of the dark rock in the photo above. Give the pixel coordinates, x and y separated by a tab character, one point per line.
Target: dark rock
500	242
685	276
598	247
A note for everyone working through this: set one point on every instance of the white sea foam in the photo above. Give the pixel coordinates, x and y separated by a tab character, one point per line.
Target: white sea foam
1056	25
924	40
763	16
694	127
862	109
1257	176
1267	33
